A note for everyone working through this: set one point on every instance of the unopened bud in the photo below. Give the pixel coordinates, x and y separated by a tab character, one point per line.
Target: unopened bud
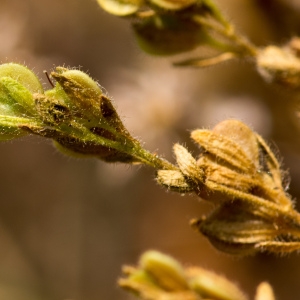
212	286
165	270
173	4
22	75
83	92
264	291
120	8
168	35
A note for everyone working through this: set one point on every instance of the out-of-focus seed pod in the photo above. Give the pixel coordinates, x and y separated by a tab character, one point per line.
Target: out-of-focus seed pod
120	8
279	65
168	35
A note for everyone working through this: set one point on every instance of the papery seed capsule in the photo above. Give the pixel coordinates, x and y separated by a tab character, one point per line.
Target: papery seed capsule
279	65
240	133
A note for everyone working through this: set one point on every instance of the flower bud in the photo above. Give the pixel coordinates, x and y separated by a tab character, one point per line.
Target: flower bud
264	291
22	75
166	271
173	4
83	92
120	8
160	276
212	286
168	35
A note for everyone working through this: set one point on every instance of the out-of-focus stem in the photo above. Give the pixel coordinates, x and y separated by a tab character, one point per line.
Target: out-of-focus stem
228	32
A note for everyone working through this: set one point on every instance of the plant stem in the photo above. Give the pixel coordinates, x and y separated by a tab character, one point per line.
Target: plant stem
153	160
228	32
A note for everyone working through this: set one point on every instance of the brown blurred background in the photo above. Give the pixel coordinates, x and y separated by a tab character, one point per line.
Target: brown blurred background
68	225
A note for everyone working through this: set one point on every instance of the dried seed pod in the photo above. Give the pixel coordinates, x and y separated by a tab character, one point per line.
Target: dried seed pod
173	180
279	65
241	134
224	150
188	165
234	228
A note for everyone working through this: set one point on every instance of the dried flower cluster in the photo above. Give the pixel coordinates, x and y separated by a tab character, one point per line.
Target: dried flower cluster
160	277
241	176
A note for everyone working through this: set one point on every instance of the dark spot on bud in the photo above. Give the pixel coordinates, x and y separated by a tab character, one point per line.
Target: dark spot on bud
60	108
107	109
103	133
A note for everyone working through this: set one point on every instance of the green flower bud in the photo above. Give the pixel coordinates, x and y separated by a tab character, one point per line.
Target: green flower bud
168	35
22	75
120	8
166	271
84	98
83	93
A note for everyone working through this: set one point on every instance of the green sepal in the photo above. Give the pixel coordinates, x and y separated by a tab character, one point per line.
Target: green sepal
13	127
15	99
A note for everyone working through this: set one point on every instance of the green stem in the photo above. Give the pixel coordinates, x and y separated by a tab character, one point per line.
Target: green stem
153	160
217	13
229	33
123	144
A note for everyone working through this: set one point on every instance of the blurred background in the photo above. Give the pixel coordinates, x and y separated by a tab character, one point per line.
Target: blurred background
68	225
